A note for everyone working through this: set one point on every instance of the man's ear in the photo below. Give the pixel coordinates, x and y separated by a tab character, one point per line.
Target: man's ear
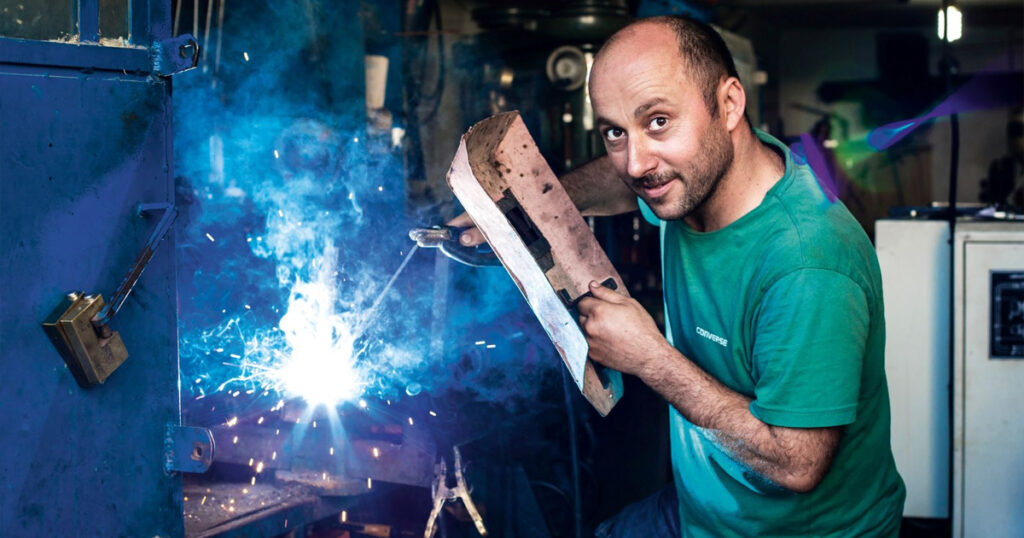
732	102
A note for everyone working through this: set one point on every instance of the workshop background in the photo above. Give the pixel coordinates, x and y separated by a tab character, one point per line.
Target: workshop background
290	363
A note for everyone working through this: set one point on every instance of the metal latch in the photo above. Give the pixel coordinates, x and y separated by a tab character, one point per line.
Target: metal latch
175	55
527	230
80	325
188	449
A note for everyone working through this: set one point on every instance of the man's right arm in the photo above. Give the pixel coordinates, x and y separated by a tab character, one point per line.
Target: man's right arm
597	190
594	187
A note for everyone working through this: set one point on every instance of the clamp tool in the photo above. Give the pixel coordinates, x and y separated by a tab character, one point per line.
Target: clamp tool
444	493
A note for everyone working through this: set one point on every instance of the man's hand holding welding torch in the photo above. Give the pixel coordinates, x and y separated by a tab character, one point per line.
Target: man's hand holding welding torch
471	236
620	332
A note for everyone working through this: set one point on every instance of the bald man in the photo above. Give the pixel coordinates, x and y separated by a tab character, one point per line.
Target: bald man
773	360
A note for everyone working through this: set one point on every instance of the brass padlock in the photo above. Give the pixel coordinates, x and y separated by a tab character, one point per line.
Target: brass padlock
90	356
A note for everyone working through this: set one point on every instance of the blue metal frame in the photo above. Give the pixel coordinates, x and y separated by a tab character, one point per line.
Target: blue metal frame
150	21
88	20
86	137
47	53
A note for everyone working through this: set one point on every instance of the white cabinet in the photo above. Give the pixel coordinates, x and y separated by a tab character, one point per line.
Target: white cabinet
988	355
914	258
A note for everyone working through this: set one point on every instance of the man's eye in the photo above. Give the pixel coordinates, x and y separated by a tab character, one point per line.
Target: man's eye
614	134
658	123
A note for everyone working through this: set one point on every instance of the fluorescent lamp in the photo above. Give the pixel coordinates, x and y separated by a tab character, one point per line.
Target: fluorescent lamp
956	23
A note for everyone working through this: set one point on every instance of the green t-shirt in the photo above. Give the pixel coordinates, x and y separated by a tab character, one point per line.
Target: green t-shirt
784	306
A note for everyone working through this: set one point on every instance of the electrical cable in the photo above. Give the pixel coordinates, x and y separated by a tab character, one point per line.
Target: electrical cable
954	163
948	68
177	18
577	507
438	91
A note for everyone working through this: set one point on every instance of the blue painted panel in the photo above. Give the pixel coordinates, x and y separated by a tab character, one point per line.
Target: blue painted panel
79	153
27	52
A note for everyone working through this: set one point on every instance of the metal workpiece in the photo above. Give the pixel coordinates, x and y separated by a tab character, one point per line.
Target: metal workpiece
222	509
188	449
285	468
300	447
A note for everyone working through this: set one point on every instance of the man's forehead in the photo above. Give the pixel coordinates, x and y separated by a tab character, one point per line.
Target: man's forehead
645	41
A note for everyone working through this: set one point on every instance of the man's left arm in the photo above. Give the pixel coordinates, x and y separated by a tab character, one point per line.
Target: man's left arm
622	335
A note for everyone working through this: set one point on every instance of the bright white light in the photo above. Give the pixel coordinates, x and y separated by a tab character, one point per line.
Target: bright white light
956	23
319	365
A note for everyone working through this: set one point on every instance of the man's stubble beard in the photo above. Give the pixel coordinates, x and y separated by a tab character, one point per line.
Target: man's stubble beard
701	178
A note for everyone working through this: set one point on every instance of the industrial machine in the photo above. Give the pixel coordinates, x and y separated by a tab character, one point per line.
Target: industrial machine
958	453
988	371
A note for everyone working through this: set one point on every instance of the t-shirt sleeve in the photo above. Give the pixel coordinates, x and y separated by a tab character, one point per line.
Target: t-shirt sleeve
810	335
648	214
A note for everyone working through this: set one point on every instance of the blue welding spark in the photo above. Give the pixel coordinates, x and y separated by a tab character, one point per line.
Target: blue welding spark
313	351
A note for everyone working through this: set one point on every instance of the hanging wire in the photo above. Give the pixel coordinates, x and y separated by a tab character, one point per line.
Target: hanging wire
220	36
177	17
438	92
206	32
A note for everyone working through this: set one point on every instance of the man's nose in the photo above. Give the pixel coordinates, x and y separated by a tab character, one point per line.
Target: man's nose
640	160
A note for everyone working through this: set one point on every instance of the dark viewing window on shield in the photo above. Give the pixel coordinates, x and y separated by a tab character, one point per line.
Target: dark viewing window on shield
39	19
114	17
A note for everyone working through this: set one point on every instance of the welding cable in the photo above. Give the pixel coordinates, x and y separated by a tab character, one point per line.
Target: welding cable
954	162
435	95
577	507
548	485
206	31
948	69
177	17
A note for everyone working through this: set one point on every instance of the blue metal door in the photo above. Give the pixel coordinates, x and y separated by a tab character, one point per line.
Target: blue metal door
85	137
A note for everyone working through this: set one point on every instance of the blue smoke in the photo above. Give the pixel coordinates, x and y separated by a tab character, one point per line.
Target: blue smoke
294	220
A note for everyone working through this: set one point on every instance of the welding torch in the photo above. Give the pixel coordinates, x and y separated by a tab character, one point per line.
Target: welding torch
446	239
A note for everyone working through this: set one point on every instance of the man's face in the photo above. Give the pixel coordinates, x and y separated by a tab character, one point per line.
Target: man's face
656	126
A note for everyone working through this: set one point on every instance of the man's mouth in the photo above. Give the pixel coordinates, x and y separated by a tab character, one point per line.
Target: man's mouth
655	189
